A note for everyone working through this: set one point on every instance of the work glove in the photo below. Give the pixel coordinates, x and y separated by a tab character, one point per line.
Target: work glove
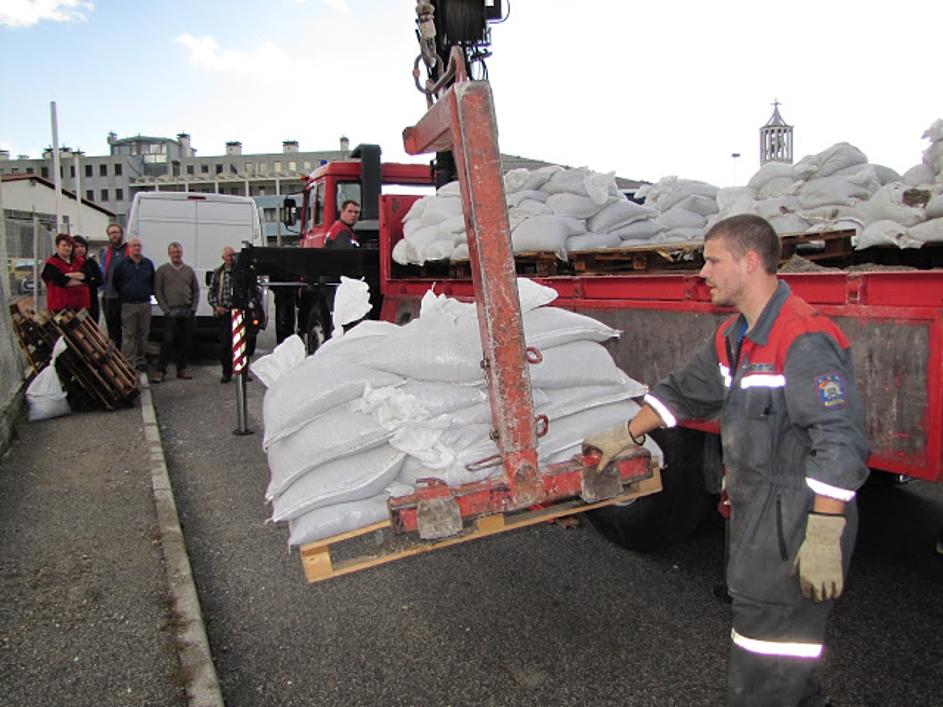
609	443
818	563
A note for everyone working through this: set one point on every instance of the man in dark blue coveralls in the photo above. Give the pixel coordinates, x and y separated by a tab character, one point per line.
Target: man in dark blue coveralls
779	374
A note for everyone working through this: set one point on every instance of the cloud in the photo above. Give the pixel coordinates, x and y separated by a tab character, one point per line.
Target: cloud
266	58
26	13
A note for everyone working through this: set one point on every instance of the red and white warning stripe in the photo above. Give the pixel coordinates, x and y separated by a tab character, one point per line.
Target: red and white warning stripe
238	342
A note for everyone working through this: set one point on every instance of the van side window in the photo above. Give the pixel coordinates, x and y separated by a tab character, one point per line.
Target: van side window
318	211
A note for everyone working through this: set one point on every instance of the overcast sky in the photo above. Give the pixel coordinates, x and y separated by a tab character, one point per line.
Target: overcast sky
642	89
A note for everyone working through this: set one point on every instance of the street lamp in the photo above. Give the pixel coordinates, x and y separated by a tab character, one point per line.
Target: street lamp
734	156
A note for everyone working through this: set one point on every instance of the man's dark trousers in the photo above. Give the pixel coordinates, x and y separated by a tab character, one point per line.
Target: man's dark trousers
178	338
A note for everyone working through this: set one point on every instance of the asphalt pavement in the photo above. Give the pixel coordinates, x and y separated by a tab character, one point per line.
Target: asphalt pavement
543	615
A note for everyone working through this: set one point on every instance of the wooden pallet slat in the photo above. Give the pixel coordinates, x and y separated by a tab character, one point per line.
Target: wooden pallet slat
320	560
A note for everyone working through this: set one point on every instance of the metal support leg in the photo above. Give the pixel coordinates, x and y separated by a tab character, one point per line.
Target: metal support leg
239	371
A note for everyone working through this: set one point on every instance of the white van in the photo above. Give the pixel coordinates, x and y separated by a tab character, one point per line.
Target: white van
203	224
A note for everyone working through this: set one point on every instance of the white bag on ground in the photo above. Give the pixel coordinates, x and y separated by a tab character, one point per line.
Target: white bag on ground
45	394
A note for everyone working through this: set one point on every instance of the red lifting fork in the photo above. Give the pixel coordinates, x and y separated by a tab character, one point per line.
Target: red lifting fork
463	121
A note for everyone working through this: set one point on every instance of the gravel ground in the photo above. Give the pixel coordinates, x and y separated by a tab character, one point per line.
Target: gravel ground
85	617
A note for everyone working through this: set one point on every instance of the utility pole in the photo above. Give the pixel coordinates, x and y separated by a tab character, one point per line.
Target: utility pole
56	167
78	193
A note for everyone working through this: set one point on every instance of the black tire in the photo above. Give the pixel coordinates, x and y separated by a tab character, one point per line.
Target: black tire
662	518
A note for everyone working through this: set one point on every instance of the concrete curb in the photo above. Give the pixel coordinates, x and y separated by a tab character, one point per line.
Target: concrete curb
193	648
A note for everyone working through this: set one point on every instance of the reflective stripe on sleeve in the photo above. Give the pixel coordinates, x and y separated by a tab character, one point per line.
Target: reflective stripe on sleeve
763	380
725	374
823	489
663	412
784	648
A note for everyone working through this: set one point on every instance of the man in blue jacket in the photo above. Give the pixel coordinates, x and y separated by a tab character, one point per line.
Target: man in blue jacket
133	280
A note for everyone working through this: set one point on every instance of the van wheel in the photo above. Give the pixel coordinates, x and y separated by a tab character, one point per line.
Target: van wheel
662	518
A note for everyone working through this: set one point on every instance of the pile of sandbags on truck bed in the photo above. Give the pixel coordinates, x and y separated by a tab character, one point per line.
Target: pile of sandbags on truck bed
560	210
381	406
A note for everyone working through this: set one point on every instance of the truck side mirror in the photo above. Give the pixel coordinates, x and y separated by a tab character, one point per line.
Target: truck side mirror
290	211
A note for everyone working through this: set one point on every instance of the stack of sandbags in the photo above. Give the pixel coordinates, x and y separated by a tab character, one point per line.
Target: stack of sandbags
909	212
382	406
682	207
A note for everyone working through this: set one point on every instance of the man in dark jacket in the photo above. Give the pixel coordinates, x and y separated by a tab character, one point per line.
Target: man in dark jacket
779	374
110	256
341	234
133	280
93	275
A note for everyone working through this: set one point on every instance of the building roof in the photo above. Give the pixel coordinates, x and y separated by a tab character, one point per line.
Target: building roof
65	192
776	120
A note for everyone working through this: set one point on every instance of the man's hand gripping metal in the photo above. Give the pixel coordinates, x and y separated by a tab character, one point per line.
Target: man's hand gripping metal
610	443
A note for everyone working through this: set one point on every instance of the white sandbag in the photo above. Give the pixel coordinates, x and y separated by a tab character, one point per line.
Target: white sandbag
575	363
561	402
515	198
399	254
546	327
515	179
678	235
418	208
440	208
567	432
831	214
776	206
933	157
540	176
286	356
886	175
639	230
699	204
788	223
618	213
680	218
354	343
829	191
769	171
338	433
736	200
339	481
453	224
532	207
440	250
351	302
575	226
680	189
845	224
312	388
885	233
776	187
575	205
935	132
453	188
460	254
45	395
601	187
824	164
592	241
935	207
928	231
888	204
326	522
541	233
918	175
567	180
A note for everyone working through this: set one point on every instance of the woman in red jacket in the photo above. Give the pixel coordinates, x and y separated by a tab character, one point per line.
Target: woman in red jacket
65	281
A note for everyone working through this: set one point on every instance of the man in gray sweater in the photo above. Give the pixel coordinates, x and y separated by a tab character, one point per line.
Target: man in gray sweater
178	293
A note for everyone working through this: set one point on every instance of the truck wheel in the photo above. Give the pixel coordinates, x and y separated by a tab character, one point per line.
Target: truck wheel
662	518
317	326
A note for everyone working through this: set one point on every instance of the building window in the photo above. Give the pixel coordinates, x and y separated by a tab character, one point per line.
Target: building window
102	170
88	170
72	171
278	166
250	167
292	166
204	169
263	167
190	169
232	168
104	195
117	170
90	195
219	168
119	194
44	171
29	170
269	215
307	164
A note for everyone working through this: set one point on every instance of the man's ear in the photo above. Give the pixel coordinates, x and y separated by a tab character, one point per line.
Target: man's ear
752	261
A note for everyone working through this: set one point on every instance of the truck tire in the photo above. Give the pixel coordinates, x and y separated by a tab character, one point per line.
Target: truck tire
662	518
317	325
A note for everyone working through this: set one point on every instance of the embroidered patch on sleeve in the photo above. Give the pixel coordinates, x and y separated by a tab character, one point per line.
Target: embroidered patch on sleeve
831	390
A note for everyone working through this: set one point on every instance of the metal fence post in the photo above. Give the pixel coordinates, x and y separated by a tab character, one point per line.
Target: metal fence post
239	371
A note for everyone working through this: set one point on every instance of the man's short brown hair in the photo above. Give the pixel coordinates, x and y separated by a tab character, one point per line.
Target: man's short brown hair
745	232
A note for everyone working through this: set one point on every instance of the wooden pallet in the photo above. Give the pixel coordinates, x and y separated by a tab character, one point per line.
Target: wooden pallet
831	246
356	550
92	371
653	258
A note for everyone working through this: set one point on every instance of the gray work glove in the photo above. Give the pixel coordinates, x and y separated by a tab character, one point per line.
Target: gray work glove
818	563
609	443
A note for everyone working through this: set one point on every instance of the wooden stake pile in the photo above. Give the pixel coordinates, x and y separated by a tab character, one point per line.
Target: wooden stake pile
93	372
